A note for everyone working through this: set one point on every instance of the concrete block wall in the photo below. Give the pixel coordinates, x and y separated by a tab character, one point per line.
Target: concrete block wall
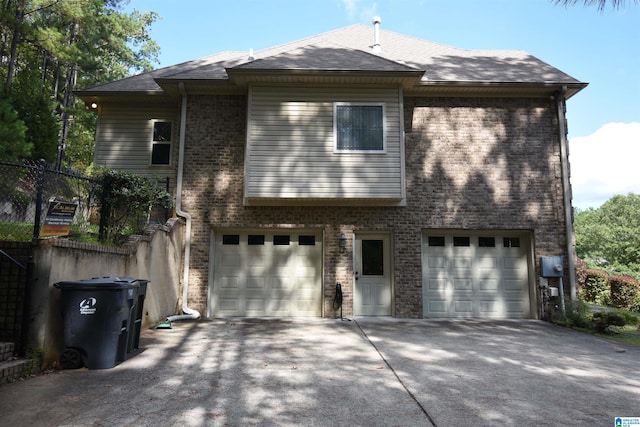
471	163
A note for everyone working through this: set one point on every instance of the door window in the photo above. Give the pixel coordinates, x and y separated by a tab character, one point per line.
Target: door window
372	258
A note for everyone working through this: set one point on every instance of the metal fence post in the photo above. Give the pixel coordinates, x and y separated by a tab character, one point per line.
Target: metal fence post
26	306
104	210
40	184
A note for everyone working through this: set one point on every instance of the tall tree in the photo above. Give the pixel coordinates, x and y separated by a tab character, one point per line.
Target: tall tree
609	237
52	47
12	133
602	4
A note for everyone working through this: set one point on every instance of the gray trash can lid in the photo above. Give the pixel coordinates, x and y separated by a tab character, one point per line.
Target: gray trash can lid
99	283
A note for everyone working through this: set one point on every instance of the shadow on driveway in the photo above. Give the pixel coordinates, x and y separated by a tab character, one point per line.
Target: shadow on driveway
326	372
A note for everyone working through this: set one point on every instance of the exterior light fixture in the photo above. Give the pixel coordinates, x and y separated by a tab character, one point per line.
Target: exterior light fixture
343	241
94	105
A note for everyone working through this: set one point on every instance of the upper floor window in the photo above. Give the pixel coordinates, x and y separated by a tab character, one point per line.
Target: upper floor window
161	143
359	127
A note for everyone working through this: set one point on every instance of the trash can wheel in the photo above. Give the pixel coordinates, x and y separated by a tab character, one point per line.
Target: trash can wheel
71	359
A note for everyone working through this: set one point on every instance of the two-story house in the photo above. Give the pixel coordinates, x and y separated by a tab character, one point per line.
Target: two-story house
425	179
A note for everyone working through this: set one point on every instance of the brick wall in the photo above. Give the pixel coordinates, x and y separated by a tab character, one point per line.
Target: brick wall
485	163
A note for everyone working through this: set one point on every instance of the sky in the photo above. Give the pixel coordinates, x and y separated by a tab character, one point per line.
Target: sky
601	48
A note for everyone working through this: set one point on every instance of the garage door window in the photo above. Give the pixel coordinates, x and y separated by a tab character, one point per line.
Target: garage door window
255	239
461	241
436	240
487	242
511	242
281	240
306	240
230	239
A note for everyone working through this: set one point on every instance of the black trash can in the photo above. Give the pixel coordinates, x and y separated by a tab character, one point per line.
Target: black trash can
97	320
138	313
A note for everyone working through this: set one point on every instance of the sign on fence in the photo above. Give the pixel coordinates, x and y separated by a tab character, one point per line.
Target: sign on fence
59	219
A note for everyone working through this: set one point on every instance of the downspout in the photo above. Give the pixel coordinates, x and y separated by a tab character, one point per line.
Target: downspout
188	313
566	186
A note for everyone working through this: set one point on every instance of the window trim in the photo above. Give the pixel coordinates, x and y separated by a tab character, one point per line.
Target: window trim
360	104
154	143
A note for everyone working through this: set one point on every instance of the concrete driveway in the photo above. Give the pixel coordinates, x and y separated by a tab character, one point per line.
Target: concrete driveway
321	372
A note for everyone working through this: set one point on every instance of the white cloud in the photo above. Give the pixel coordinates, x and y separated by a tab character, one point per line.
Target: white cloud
605	163
360	9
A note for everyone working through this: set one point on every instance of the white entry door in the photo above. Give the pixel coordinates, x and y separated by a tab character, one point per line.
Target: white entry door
372	275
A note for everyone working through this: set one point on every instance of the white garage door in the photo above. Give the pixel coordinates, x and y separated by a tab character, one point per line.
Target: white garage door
475	276
274	273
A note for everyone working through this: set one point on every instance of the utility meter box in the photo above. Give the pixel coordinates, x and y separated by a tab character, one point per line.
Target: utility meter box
551	266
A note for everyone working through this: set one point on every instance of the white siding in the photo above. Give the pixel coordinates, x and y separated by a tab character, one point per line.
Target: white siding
123	139
291	148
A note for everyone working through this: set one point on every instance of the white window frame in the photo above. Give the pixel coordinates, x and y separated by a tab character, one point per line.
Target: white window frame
357	104
153	142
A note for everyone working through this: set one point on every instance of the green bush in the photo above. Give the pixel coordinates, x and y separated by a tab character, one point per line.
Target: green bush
603	319
596	287
624	291
129	199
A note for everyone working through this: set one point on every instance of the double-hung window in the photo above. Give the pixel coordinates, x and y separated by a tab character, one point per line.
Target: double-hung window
161	143
359	127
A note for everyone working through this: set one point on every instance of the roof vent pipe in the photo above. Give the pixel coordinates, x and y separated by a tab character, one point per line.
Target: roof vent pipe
376	34
251	58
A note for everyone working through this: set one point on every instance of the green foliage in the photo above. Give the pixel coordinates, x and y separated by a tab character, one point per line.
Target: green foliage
609	237
12	134
50	49
129	199
37	110
602	320
624	291
595	288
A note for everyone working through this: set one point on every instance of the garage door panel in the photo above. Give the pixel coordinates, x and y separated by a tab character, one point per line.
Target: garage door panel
462	284
489	285
267	274
437	306
462	262
463	307
478	278
437	262
437	284
229	305
516	286
256	283
229	282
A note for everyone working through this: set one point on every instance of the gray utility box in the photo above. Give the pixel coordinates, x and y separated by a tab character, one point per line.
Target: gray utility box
551	266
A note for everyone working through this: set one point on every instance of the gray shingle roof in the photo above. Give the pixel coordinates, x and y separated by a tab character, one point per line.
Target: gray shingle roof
350	49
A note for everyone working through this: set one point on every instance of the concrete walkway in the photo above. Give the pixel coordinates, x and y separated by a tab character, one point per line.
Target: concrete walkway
320	372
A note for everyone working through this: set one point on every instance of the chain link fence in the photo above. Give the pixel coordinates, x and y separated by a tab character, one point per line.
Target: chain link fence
29	189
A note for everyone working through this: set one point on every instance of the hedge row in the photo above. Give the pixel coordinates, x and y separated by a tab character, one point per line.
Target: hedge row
617	291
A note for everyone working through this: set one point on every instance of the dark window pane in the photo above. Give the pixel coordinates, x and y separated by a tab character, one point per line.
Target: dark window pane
359	127
307	240
436	240
160	154
162	131
255	239
487	242
230	239
372	258
461	241
511	242
282	240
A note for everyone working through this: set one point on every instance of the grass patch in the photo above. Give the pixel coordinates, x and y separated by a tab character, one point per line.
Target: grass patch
621	326
16	231
627	334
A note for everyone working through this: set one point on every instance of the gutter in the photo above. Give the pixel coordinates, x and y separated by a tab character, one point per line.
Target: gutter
188	313
566	186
